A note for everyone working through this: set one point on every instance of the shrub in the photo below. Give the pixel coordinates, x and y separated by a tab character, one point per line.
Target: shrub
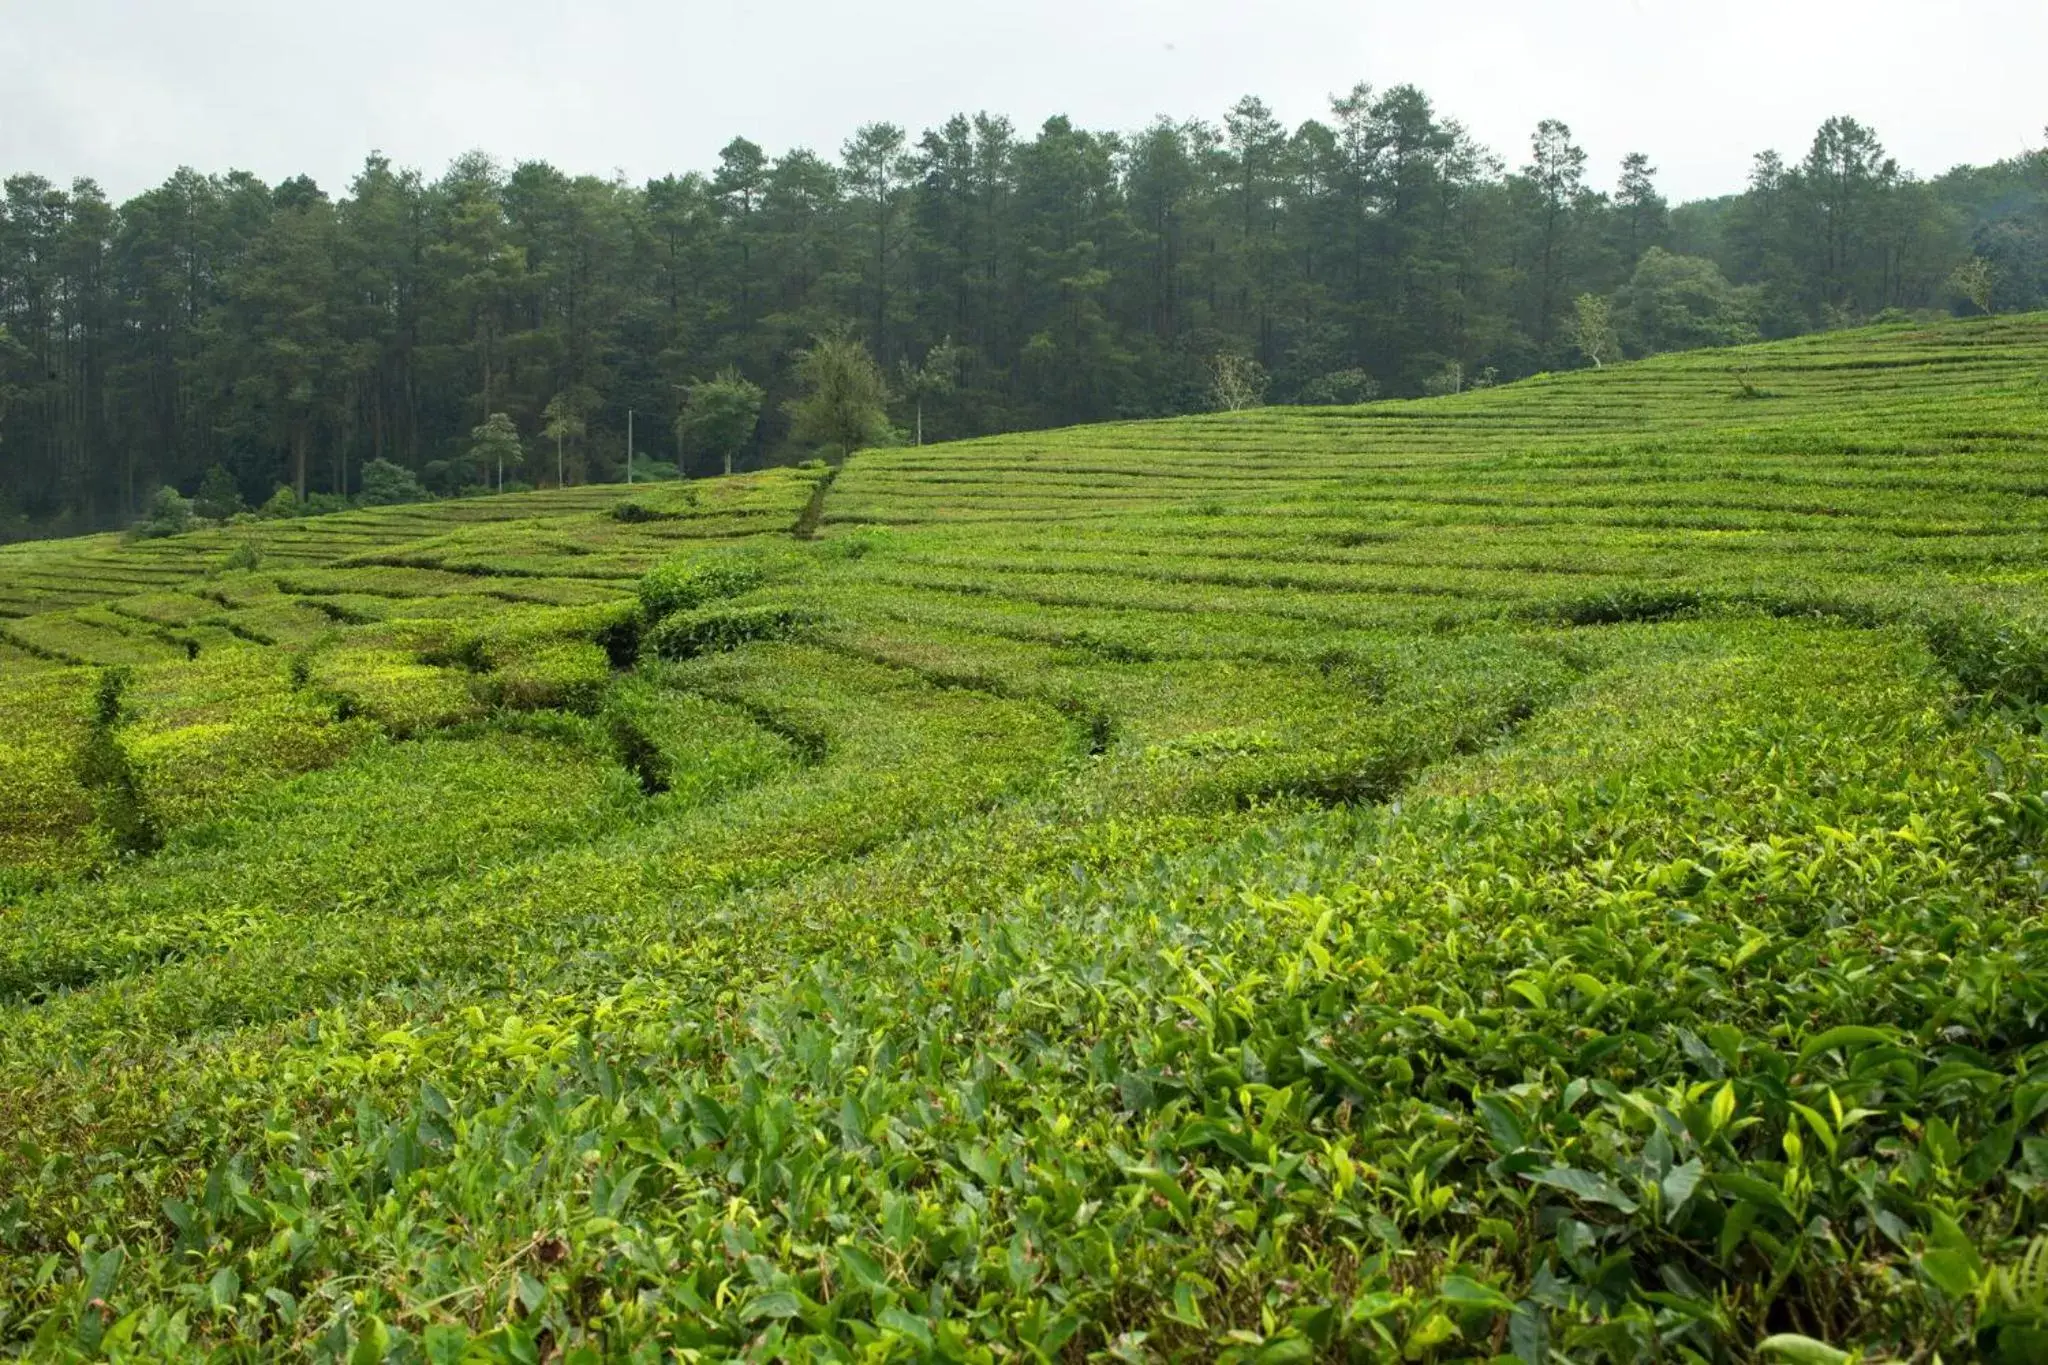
169	515
1505	879
619	638
687	635
649	470
386	484
1625	604
637	753
843	397
1745	387
283	502
106	770
1340	388
857	543
218	497
682	584
636	513
1998	660
570	674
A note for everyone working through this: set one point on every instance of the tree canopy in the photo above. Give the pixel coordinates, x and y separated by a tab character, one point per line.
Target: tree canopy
721	416
844	398
289	334
493	445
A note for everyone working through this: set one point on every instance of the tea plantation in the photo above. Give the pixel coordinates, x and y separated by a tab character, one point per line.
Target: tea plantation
1553	873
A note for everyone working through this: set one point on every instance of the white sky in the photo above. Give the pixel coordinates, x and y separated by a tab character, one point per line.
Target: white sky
127	90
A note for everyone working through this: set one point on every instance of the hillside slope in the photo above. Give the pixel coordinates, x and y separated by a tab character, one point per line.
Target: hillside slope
1549	869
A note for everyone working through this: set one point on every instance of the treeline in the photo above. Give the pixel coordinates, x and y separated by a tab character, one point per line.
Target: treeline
294	337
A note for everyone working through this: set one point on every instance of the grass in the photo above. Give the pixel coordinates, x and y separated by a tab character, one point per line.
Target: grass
1551	873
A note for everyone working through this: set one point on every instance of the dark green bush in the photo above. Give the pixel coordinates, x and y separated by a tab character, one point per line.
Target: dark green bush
620	640
219	498
681	584
686	635
1998	660
638	754
1340	388
635	513
169	515
1625	604
386	484
105	770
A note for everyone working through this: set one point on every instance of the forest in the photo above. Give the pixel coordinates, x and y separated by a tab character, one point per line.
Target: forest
292	337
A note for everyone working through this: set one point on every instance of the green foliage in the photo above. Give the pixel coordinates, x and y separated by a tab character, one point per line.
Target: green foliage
647	469
1547	873
1340	388
452	478
1677	303
1004	282
721	417
687	748
565	421
106	770
2000	658
493	446
937	377
283	502
687	634
1448	381
169	515
844	397
14	363
1592	329
634	513
1976	282
689	582
386	484
247	554
219	497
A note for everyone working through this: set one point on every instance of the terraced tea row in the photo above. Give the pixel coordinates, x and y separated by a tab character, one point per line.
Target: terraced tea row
1554	871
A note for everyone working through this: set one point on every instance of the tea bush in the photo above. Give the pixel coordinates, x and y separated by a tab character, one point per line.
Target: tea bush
686	634
681	584
1551	873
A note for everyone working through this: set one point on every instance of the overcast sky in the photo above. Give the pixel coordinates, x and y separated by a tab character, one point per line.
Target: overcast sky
127	90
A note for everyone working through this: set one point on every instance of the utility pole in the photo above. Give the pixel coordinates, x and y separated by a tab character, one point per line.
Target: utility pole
629	445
